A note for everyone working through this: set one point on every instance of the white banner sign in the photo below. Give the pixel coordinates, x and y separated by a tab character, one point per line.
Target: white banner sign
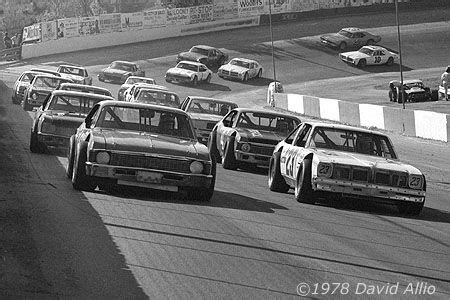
132	21
88	25
154	18
200	14
48	30
68	28
110	23
32	33
178	16
250	7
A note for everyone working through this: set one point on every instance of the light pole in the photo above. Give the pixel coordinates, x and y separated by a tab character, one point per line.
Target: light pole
271	40
400	54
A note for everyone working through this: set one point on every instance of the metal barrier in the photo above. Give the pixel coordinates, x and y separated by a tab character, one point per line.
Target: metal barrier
11	54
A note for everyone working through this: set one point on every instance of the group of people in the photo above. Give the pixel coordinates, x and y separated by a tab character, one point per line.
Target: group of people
11	42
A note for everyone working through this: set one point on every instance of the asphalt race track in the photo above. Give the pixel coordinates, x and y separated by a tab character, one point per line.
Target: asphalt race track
247	242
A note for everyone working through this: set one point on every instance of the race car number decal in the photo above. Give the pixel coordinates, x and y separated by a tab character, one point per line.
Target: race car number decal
377	59
324	169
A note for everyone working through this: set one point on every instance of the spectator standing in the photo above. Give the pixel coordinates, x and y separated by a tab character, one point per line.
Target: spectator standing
444	82
274	87
7	41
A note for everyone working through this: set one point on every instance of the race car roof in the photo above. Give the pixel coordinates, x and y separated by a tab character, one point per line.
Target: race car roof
191	63
212	99
341	126
352	29
204	47
73	66
81	94
244	59
267	112
142	105
85	86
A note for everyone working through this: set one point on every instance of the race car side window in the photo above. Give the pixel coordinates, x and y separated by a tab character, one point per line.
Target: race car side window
228	120
302	136
292	135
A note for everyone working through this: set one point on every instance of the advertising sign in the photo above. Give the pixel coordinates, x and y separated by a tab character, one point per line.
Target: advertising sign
154	18
200	14
68	28
226	9
48	30
132	21
110	23
88	25
178	16
248	8
304	5
32	33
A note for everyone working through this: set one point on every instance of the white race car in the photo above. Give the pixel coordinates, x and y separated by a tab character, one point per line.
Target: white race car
75	73
189	72
370	55
129	82
322	160
241	69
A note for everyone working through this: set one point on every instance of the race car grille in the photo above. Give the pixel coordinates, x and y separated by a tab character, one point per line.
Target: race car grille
149	162
350	173
341	172
225	72
234	74
394	179
264	141
262	150
360	175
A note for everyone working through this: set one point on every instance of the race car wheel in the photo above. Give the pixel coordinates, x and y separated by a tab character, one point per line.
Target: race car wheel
70	157
369	42
362	63
410	208
208	79
81	181
195	80
276	181
26	106
35	146
434	96
390	61
343	46
206	193
303	190
228	159
259	73
212	146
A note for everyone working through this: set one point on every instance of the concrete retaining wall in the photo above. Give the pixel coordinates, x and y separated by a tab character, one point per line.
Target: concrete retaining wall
424	124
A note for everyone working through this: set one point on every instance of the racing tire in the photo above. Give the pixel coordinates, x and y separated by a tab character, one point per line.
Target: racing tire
208	79
410	208
212	146
303	190
70	157
26	106
434	96
35	146
195	80
370	42
259	74
362	63
342	46
204	194
81	181
275	180
390	61
228	159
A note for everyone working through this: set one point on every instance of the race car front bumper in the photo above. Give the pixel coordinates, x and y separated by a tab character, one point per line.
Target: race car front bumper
367	190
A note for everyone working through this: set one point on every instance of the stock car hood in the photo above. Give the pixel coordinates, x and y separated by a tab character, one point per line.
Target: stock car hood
115	71
234	68
333	38
355	54
415	90
74	78
205	117
260	136
63	119
356	159
192	56
180	72
134	141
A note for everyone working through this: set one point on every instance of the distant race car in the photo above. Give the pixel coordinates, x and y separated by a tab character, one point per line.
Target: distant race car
247	137
369	55
67	86
119	71
130	81
75	73
413	91
241	69
141	145
350	38
156	96
38	90
59	117
205	113
330	160
207	55
21	85
130	94
189	72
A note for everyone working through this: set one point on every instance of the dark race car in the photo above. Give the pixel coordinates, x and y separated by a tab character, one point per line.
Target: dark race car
21	85
413	91
59	117
350	38
119	71
142	145
207	55
247	137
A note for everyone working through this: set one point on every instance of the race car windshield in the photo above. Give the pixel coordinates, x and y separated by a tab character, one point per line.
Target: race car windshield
240	63
45	82
413	84
146	120
345	33
158	97
85	89
72	71
186	66
366	51
267	122
352	141
199	51
72	104
122	66
209	107
133	80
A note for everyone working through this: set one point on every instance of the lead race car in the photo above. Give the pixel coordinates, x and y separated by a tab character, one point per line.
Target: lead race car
370	55
122	143
189	72
329	160
241	69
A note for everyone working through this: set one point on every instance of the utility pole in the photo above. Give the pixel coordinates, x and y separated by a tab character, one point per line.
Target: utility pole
271	40
400	54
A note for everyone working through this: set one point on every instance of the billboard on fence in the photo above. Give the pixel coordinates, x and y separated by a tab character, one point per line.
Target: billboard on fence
132	21
226	9
48	31
178	16
304	5
248	8
280	6
88	25
32	33
110	23
200	14
68	28
154	18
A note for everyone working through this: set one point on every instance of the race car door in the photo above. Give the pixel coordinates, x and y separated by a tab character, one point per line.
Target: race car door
224	130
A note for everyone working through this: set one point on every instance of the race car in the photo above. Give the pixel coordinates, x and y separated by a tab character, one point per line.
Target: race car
75	73
141	145
189	72
205	113
247	137
118	71
322	160
156	96
59	117
413	91
129	82
130	94
207	55
369	55
350	38
241	69
21	85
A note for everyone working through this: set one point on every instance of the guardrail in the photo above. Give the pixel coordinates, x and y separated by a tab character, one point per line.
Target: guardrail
11	54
